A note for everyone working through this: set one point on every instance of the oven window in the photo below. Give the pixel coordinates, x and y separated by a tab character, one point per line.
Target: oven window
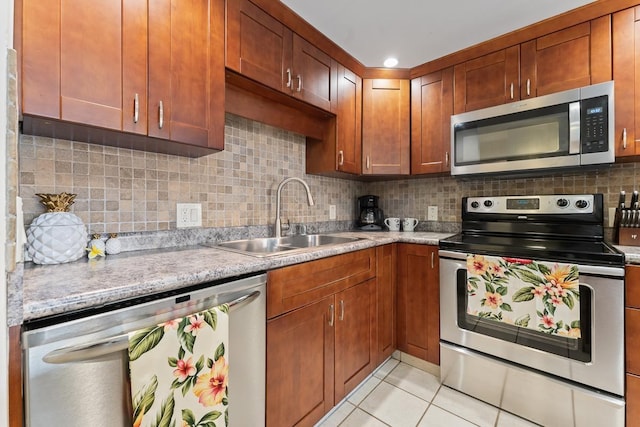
572	348
520	136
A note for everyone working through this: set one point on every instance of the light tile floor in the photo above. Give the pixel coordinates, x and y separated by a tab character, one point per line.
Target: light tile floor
400	395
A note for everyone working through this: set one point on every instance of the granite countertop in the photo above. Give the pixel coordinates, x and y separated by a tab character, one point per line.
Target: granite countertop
55	289
631	253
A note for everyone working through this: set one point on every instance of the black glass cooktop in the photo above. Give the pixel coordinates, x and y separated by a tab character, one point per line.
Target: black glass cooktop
544	249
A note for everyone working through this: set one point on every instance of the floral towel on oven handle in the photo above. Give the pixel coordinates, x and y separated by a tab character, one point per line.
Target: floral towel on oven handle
179	371
531	294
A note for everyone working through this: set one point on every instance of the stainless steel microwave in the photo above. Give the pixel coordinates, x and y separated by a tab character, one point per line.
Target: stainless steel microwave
562	130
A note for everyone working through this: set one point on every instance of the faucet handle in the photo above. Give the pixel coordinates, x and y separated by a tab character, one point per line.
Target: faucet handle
285	226
302	229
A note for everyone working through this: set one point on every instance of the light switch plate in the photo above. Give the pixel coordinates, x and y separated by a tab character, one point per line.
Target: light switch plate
188	215
432	213
332	212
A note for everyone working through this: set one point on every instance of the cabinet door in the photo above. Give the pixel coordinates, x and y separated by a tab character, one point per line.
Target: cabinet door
349	121
385	127
355	340
313	74
418	302
431	109
626	74
75	55
300	349
567	59
258	46
386	257
632	399
186	72
487	81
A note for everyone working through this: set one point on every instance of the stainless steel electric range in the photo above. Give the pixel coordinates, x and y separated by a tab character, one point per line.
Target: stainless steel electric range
532	309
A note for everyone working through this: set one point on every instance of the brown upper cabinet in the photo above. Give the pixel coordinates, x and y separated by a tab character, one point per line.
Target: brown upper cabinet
341	149
431	109
262	48
626	75
349	122
385	127
573	57
154	70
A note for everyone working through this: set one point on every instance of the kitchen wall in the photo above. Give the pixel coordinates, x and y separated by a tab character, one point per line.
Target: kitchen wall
122	190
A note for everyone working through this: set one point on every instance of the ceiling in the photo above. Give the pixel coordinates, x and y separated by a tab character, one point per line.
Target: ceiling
418	31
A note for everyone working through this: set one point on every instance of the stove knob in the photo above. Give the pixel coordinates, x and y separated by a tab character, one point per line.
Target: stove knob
488	203
563	203
581	204
475	205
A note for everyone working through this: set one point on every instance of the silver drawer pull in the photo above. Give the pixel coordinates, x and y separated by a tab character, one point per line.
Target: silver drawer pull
85	352
331	314
160	115
136	108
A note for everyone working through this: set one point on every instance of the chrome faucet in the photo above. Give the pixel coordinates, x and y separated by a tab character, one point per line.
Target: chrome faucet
282	184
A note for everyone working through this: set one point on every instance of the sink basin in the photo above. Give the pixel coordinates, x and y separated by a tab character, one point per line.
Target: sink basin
271	246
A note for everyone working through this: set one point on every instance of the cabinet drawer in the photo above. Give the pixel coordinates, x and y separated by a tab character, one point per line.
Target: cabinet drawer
632	286
633	398
291	287
632	330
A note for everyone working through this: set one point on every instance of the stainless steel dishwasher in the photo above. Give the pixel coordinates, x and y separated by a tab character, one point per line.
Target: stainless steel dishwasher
76	367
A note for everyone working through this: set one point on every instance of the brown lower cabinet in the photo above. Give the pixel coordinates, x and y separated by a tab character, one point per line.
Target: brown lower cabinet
332	321
632	345
418	319
321	338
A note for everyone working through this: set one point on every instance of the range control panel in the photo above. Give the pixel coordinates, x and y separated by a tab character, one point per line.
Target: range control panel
556	204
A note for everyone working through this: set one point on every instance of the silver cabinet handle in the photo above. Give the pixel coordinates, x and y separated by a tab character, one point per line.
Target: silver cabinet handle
433	258
136	108
331	314
624	138
160	115
528	87
288	77
446	159
93	350
341	317
299	77
368	163
340	158
511	90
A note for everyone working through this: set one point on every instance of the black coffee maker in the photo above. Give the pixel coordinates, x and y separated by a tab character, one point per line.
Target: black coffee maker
370	216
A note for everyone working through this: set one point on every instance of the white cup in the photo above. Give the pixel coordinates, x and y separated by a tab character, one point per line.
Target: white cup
409	224
393	224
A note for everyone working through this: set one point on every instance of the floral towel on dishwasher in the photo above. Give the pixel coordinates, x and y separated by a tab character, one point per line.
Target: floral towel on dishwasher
179	371
531	294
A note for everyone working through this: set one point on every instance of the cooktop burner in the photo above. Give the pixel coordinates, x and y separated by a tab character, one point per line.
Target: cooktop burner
553	228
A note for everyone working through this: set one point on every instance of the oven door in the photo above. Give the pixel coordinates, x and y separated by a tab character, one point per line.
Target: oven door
596	360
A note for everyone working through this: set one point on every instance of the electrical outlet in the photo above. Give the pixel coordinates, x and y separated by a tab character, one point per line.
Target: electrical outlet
188	215
612	216
332	212
432	213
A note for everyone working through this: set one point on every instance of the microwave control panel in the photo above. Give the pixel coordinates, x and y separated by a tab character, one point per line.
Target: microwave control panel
595	127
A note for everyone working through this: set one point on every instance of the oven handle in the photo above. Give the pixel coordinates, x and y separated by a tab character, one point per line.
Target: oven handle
596	270
94	350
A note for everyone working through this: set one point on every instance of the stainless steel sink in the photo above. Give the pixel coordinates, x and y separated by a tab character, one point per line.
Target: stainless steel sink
271	246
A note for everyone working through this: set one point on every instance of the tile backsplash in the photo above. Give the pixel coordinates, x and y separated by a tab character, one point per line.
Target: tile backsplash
122	190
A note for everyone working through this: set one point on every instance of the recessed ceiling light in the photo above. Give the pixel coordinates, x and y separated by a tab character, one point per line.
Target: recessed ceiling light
390	62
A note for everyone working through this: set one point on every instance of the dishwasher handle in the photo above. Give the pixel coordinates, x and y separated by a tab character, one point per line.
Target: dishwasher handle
94	350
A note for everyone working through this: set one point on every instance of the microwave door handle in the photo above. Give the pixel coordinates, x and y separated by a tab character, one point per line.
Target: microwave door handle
94	350
574	128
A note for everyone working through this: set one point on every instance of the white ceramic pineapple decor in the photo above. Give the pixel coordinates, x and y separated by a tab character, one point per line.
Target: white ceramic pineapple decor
57	236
